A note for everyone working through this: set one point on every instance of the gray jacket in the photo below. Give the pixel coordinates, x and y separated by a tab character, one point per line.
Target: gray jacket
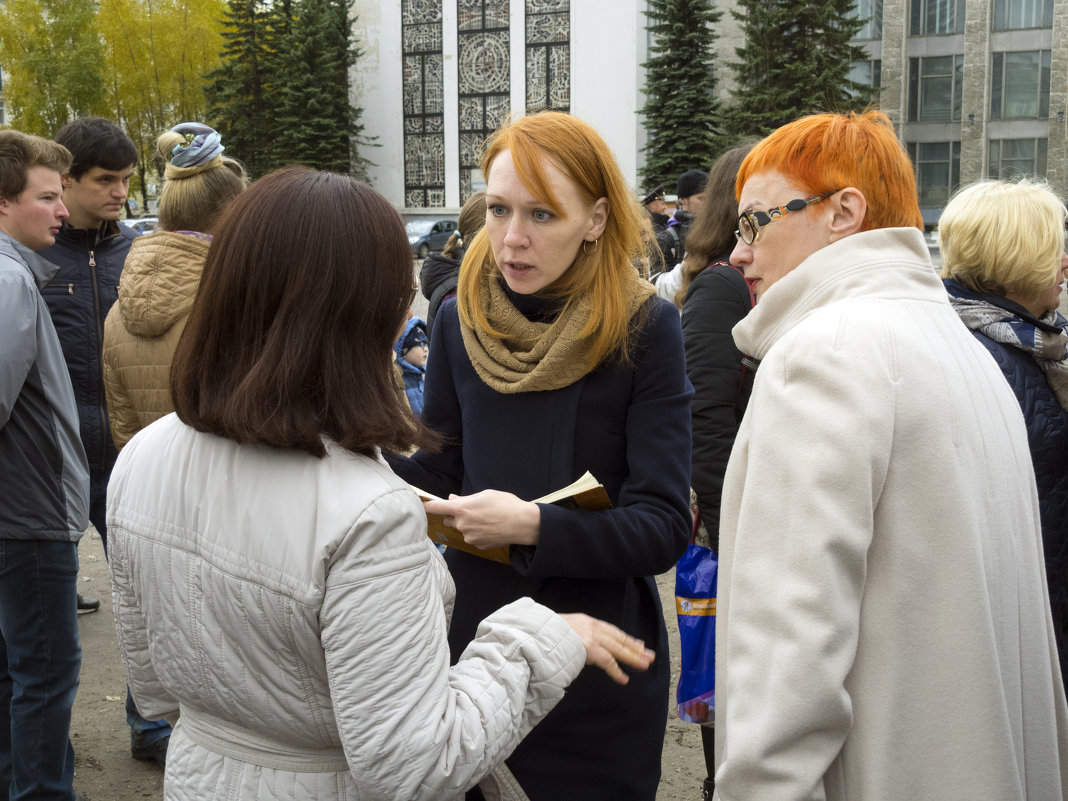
43	470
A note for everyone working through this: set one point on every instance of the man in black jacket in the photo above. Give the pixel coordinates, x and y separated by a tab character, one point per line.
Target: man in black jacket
90	251
672	240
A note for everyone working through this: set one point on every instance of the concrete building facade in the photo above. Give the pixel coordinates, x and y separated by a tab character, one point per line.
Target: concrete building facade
438	76
975	89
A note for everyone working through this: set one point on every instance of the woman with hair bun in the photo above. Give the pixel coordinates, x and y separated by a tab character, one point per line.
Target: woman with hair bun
161	274
555	359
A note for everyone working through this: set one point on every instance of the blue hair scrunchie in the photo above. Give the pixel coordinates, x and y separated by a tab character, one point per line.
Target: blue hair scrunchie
202	144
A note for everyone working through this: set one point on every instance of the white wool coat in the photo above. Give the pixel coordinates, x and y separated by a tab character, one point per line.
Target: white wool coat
884	629
294	612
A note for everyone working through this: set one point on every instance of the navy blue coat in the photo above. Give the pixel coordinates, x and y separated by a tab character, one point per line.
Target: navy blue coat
1047	436
630	427
79	297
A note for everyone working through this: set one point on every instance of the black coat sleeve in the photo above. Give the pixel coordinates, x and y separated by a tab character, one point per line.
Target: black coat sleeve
717	299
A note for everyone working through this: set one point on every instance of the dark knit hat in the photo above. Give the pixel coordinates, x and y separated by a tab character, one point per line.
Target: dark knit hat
691	182
416	336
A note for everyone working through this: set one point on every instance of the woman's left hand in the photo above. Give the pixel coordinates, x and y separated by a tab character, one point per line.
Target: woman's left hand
490	518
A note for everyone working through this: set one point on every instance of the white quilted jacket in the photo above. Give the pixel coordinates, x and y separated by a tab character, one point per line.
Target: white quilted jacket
295	614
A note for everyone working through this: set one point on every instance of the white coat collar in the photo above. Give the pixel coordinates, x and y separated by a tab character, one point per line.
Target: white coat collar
884	263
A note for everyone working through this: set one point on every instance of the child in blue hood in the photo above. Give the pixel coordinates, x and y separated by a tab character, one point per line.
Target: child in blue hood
412	348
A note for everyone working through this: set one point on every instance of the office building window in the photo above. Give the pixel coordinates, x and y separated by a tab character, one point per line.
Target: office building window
933	17
1012	15
485	80
872	11
548	55
869	74
935	85
1014	158
1020	85
937	170
424	92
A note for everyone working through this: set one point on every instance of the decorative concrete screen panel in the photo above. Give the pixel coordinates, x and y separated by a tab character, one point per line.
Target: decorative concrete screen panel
424	121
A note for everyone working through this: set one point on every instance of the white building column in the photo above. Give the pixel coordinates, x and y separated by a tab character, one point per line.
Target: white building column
607	50
517	56
377	86
450	47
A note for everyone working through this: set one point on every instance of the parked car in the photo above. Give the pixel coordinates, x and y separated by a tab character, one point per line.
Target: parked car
143	225
429	235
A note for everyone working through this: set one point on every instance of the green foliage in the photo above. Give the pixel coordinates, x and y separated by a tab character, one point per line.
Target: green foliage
795	60
136	62
238	88
682	114
52	54
281	94
155	51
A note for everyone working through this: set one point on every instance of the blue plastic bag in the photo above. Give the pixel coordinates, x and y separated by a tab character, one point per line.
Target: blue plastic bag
695	603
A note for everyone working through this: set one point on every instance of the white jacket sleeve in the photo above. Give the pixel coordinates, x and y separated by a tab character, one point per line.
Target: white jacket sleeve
668	283
152	699
411	726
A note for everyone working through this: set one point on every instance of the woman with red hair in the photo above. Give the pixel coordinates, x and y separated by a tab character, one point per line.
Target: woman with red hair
557	359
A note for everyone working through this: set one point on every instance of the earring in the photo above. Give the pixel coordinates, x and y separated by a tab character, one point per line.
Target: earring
585	245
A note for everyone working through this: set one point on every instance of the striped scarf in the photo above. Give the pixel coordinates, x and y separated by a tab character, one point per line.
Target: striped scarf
1049	348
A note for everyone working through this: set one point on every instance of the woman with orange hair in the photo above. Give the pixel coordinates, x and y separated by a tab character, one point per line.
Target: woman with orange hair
883	629
557	359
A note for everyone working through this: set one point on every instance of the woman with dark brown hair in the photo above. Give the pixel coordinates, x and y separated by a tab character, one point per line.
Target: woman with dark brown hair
272	577
714	297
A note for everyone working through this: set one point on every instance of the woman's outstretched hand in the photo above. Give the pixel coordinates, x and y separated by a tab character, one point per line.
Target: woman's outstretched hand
609	647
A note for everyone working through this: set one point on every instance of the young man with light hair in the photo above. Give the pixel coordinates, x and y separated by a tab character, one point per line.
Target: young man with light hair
884	627
44	502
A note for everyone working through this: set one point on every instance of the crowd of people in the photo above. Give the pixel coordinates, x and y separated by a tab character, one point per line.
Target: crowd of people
242	404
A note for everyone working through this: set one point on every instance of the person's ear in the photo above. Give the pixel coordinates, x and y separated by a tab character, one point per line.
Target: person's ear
849	208
598	218
66	180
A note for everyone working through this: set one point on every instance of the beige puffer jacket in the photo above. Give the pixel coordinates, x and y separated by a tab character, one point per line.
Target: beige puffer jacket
156	291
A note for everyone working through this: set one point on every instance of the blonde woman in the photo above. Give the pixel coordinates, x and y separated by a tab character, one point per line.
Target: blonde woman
556	359
1004	267
161	275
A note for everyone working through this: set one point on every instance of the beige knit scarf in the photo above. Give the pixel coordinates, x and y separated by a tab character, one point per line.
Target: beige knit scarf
535	356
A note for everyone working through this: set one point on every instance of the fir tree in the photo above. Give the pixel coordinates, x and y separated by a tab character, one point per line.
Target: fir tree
315	109
682	115
240	86
795	60
281	95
